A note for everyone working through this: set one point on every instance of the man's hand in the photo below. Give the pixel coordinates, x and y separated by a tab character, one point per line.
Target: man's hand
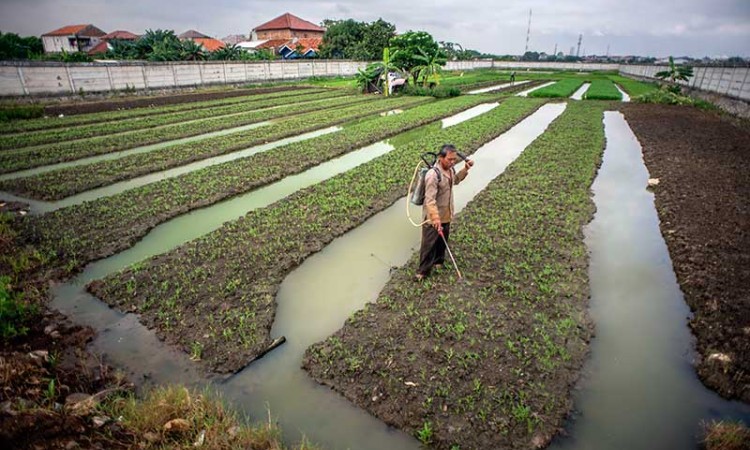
436	224
468	164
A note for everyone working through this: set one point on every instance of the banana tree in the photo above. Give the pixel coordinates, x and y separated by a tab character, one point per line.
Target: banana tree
388	66
431	65
675	73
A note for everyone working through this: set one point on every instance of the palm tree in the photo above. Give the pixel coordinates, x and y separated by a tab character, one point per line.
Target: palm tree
192	51
431	65
675	73
229	53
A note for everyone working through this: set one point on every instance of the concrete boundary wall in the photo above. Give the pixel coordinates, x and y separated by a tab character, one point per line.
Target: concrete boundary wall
733	82
44	78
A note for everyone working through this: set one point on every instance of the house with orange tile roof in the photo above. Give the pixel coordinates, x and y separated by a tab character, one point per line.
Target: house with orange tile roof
286	26
208	43
72	38
104	46
287	36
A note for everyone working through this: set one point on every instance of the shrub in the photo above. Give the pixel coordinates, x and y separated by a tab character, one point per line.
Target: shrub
665	97
437	91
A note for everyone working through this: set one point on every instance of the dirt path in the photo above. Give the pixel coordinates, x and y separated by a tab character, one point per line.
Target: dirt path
703	198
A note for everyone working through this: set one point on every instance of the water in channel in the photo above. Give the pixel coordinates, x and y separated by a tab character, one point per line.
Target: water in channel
625	96
639	389
353	268
498	87
39	207
364	255
578	95
132	151
121	337
527	91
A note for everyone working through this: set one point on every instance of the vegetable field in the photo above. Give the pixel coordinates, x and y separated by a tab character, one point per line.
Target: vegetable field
487	360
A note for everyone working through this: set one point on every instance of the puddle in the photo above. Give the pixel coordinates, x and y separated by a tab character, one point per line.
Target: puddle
527	91
498	87
639	388
578	95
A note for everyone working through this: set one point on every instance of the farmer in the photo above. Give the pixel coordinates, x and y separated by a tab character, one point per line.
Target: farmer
512	77
438	208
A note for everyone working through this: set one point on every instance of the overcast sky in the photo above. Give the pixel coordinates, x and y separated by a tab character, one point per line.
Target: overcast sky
629	27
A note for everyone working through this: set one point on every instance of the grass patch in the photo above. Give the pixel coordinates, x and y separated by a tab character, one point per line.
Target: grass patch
175	417
723	435
561	89
632	87
602	90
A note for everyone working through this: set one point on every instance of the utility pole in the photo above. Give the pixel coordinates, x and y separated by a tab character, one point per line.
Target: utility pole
555	52
578	50
528	34
607	50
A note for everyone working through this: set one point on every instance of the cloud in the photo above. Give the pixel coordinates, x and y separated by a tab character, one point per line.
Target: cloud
632	27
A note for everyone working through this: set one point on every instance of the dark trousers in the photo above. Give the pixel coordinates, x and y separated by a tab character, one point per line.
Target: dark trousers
432	250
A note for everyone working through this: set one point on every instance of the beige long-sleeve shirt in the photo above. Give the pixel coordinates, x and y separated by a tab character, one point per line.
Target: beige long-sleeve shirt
438	196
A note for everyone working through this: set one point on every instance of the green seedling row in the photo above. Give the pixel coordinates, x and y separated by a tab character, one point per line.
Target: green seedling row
90	231
632	87
219	289
22	126
488	362
98	129
30	157
61	183
602	90
561	89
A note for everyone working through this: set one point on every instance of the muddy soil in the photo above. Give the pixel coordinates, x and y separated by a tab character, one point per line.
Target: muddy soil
702	161
159	100
46	380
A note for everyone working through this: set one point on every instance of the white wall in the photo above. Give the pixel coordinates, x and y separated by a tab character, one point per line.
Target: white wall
29	78
732	82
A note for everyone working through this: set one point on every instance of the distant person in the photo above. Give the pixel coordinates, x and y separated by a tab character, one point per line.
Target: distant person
438	208
512	77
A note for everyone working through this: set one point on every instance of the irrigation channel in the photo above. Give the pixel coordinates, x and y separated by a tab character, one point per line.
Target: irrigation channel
578	95
639	389
498	87
40	207
354	268
527	91
625	96
123	153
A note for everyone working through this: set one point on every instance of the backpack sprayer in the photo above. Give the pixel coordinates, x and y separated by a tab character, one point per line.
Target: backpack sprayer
417	196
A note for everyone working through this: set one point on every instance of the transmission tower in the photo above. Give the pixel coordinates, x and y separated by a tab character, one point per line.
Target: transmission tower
555	52
578	50
528	34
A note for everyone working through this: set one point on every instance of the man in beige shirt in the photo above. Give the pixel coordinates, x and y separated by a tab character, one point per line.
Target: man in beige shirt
438	208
